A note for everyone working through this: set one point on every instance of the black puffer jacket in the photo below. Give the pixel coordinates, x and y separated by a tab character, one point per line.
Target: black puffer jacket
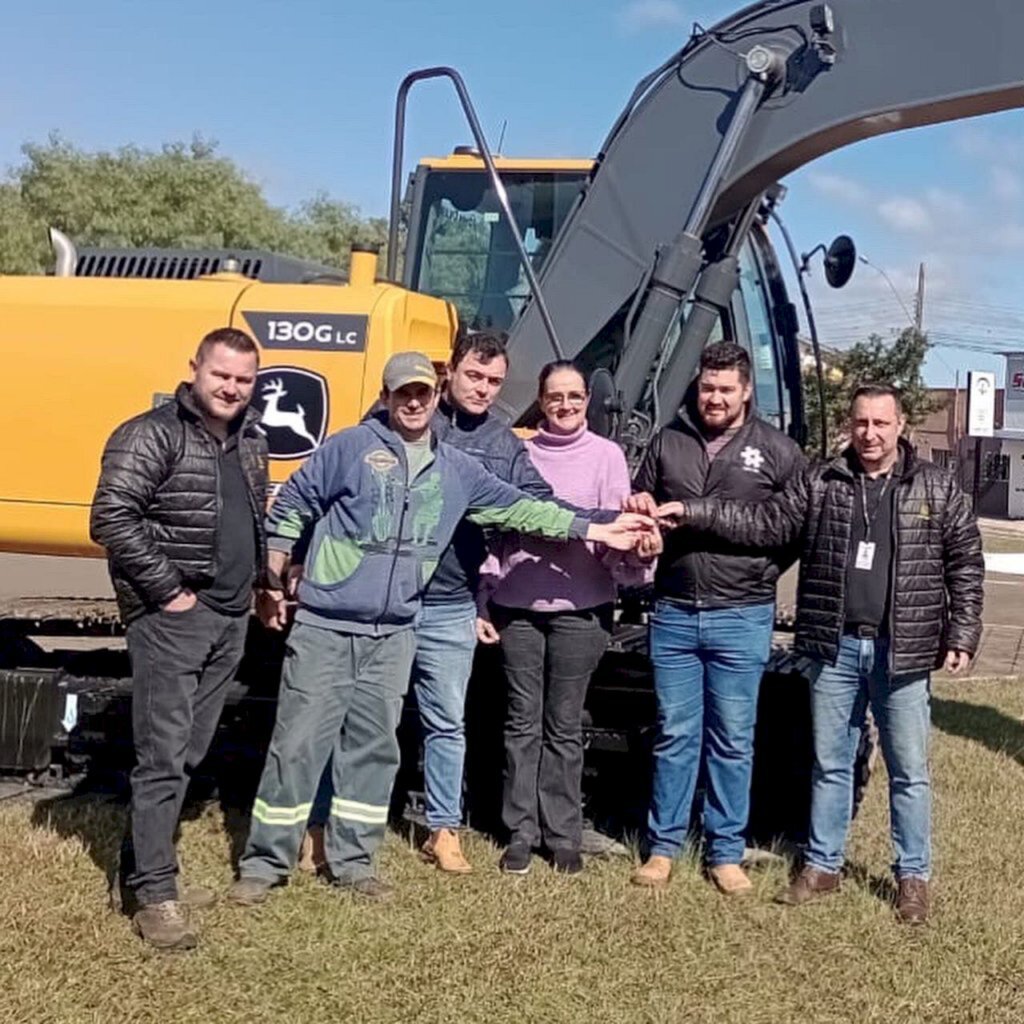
938	569
705	571
157	502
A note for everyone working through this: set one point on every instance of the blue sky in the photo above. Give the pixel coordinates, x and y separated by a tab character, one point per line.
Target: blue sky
301	95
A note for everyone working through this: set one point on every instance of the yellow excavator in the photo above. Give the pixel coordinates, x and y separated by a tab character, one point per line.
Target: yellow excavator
112	333
628	263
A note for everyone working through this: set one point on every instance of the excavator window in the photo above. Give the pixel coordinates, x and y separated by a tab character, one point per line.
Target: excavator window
755	331
466	253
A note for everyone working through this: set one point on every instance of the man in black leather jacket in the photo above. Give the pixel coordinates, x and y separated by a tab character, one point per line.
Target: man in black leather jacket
891	586
179	508
712	621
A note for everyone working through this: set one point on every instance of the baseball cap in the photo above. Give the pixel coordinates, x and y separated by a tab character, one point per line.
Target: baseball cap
408	368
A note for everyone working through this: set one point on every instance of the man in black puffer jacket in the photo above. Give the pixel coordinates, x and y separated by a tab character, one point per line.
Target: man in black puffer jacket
711	625
891	586
179	508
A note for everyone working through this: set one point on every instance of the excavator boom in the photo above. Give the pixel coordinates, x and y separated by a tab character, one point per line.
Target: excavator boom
741	105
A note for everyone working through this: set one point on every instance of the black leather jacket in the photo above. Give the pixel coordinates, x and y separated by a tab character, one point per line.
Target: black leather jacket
704	571
937	568
157	502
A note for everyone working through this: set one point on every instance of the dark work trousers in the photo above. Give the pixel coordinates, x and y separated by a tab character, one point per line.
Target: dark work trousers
182	666
548	660
340	701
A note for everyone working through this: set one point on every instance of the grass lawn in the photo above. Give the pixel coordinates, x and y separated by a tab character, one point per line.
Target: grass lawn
545	948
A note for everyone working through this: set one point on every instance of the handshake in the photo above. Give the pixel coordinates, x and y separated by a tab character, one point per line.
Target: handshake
638	528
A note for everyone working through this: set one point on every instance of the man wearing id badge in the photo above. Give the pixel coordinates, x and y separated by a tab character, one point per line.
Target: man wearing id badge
891	587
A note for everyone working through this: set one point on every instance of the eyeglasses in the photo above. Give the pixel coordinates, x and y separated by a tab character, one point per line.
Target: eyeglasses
573	398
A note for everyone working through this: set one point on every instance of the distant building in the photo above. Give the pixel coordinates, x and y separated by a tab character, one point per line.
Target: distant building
942	438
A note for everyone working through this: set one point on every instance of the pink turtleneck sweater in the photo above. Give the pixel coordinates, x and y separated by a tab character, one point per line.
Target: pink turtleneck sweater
556	576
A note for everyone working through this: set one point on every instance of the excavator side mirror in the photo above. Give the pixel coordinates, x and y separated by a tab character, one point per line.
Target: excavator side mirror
601	413
840	259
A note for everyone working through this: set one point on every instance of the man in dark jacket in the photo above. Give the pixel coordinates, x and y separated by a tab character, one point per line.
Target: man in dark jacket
179	508
448	628
891	586
711	626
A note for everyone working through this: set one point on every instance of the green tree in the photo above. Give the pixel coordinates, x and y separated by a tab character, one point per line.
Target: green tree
184	195
874	361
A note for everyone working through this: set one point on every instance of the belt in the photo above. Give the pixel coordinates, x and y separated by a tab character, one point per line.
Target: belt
862	632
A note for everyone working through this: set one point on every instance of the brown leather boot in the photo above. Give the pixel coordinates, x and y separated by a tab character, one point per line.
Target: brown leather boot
443	850
165	925
912	900
312	856
654	874
808	885
730	880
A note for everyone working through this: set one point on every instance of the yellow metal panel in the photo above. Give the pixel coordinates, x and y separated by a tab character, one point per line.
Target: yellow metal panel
467	162
81	355
399	320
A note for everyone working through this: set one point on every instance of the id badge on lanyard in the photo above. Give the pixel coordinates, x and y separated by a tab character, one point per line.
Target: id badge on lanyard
865	557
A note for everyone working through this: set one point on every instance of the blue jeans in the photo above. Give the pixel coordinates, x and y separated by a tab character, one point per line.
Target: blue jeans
902	709
445	642
707	674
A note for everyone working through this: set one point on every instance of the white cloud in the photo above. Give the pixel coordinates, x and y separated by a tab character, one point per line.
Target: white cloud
839	187
905	214
1006	183
639	15
946	203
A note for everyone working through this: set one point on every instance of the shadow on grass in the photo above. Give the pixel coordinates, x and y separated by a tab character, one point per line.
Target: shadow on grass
880	886
98	821
981	723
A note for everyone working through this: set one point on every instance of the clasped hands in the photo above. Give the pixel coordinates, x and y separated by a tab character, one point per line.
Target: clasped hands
639	527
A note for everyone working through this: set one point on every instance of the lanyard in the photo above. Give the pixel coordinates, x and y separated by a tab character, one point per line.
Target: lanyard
869	519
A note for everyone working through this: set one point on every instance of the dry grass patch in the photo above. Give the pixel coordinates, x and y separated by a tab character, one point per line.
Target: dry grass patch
545	948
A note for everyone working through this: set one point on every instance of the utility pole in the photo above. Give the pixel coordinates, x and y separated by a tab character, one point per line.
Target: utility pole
919	301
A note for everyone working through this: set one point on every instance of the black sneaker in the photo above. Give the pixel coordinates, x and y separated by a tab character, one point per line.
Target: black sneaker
516	859
566	862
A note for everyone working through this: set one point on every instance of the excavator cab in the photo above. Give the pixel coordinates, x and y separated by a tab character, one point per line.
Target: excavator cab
459	245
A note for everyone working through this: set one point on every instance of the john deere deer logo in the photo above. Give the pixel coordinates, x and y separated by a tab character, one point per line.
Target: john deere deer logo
294	410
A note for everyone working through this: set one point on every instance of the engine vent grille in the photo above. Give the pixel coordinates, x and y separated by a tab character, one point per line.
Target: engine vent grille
188	264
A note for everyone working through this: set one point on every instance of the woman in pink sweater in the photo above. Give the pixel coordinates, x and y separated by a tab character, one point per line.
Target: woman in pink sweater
551	603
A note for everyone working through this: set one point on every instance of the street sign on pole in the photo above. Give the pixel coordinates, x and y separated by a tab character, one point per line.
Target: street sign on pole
981	403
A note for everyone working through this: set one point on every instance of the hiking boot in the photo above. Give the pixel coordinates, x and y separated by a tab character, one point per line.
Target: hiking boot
312	855
566	862
516	859
730	880
808	885
654	873
369	888
249	891
443	850
912	900
165	925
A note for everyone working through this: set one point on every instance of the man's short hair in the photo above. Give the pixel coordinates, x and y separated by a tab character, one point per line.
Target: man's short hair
232	338
726	355
878	391
485	345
